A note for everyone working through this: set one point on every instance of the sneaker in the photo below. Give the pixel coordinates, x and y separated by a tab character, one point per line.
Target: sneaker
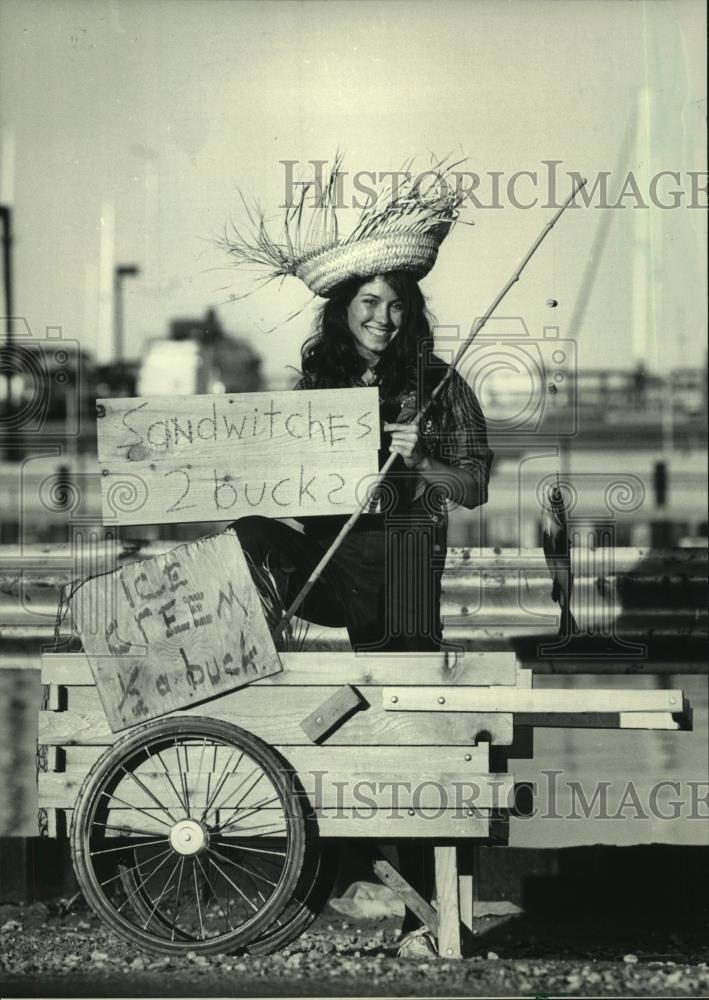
417	944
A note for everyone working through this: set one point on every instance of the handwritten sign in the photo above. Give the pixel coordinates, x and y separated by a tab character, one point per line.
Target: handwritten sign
174	630
220	457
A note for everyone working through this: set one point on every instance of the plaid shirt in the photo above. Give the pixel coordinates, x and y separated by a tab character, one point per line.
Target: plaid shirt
454	432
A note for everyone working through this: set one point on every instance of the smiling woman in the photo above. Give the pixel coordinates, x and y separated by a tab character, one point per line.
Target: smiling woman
374	317
383	578
383	582
366	324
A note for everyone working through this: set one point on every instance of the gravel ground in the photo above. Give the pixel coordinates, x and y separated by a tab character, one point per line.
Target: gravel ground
45	952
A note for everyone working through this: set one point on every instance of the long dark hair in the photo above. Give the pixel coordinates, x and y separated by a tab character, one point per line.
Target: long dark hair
331	356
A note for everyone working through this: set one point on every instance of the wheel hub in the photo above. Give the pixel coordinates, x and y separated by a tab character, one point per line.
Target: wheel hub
188	837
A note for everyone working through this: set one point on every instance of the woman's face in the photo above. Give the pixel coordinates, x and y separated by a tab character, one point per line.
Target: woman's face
374	317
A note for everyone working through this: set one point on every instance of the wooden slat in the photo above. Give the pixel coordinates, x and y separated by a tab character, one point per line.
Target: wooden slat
60	790
332	713
316	422
648	720
384	826
470	759
598	720
468	856
375	669
246	702
359	669
400	791
429	789
450	699
275	721
524	678
54	823
406	893
66	669
389	826
448	909
257	706
466	899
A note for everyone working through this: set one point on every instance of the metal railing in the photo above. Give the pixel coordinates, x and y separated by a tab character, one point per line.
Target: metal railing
638	610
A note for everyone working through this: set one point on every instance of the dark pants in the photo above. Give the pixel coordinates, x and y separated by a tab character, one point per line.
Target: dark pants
383	585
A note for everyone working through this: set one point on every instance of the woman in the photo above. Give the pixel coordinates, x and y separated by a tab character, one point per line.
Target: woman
375	331
384	581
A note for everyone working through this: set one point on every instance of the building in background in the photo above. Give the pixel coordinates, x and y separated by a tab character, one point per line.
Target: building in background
49	472
198	356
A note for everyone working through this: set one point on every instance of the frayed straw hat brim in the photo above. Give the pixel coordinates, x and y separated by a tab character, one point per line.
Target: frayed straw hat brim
399	231
412	252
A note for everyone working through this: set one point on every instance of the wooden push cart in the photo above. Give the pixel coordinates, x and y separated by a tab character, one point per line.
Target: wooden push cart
215	829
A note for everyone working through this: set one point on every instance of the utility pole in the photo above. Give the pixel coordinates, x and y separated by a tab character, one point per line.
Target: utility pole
7	352
6	216
120	272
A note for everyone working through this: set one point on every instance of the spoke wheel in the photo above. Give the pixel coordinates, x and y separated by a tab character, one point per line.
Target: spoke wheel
188	835
308	901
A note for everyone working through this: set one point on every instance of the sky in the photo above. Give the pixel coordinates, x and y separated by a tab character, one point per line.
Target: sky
129	127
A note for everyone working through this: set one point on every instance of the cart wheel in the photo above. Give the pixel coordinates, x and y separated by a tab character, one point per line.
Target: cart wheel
309	897
308	900
188	836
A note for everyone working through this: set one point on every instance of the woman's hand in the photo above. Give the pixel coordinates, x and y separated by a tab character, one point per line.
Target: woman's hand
461	487
405	442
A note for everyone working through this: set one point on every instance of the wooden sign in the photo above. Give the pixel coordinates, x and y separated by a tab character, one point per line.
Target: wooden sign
171	631
220	457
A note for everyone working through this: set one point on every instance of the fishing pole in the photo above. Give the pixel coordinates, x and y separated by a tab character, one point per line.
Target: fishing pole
282	624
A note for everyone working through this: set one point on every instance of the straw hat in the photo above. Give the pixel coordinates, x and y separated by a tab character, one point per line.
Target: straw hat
399	230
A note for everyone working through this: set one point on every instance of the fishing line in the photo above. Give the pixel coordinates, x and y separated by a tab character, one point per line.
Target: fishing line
477	327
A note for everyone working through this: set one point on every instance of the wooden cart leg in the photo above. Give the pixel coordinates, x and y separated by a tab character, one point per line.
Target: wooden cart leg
467	883
468	886
388	874
448	910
